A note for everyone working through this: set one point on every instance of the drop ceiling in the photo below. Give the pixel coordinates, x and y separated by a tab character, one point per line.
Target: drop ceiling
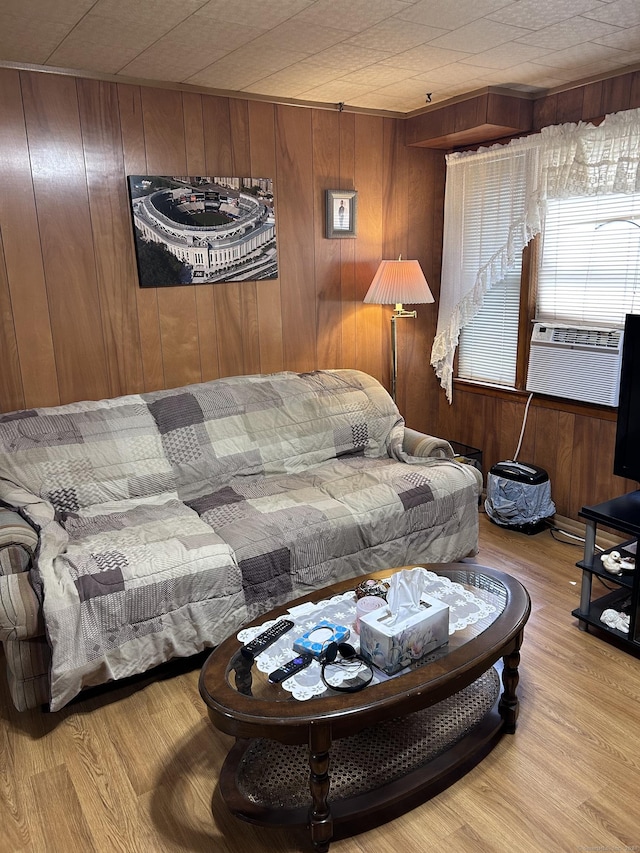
374	55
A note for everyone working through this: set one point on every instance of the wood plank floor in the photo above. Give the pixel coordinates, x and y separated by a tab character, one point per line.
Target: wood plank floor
135	769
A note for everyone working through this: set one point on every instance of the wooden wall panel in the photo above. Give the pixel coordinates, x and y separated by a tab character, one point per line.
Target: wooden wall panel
326	175
11	393
135	163
240	138
230	352
194	133
115	262
262	140
348	247
207	327
26	295
294	162
372	321
64	221
165	146
426	245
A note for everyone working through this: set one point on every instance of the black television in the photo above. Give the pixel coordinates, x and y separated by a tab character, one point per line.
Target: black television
626	460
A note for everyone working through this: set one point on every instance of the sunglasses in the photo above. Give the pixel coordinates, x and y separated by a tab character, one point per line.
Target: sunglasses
344	670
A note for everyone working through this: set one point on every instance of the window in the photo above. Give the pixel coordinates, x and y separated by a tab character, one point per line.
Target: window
488	347
590	266
588	275
574	185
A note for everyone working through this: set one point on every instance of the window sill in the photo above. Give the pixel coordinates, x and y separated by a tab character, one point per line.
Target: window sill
516	395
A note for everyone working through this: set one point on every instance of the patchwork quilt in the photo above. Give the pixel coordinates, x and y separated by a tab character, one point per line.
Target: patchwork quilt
169	519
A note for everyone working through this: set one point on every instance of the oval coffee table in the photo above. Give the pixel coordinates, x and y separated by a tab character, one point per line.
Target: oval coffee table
342	763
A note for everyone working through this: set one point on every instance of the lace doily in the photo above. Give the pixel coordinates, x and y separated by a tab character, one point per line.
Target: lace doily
464	609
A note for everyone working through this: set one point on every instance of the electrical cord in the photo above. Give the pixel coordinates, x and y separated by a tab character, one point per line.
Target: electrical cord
524	423
579	539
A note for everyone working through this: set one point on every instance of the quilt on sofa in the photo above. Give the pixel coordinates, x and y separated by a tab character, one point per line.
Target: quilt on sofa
168	519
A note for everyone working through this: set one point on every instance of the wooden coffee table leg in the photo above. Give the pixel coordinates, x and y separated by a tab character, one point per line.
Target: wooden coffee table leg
509	705
320	820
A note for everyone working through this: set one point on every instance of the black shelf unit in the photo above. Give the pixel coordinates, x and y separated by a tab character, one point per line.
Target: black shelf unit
473	455
623	595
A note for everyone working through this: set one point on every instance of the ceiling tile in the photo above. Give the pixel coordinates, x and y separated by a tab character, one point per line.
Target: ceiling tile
376	75
354	16
576	56
622	40
114	31
404	88
349	59
262	14
455	74
245	64
449	14
479	36
424	57
296	36
31	30
571	73
568	33
335	92
623	13
537	14
395	36
188	49
301	76
505	56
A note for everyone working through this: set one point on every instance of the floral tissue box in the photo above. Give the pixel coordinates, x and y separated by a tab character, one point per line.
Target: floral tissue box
393	647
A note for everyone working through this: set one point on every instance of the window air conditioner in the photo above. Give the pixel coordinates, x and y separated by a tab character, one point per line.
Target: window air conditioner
577	363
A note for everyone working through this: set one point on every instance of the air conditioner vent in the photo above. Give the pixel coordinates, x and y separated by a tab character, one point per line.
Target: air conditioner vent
575	363
586	337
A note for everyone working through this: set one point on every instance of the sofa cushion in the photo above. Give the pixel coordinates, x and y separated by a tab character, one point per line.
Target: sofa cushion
82	454
292	530
125	589
280	423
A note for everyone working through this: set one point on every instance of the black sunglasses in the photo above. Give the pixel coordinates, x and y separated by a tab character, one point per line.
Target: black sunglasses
348	673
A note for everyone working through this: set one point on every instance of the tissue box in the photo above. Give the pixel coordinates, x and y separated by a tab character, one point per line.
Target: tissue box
393	647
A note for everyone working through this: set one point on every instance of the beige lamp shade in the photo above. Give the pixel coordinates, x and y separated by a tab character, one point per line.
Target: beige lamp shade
399	282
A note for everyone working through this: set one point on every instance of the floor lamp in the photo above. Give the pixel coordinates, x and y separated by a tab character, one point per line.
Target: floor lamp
395	283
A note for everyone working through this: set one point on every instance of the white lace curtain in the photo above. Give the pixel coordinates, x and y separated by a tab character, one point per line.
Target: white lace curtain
494	205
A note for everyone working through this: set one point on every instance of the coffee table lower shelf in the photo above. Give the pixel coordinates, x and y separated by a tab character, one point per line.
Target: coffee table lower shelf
377	774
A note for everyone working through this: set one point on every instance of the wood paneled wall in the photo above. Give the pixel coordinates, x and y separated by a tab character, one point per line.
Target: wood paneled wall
574	443
75	325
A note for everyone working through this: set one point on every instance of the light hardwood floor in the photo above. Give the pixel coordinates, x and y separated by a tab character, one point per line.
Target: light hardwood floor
135	769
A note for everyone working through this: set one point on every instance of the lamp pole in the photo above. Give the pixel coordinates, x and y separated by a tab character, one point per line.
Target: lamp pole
398	314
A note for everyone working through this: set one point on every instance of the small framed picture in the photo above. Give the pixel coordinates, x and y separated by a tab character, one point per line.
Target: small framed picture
341	211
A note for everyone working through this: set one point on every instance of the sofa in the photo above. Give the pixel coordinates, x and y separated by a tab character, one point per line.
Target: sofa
148	527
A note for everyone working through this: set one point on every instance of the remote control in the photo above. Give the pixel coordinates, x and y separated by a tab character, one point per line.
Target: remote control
290	668
264	640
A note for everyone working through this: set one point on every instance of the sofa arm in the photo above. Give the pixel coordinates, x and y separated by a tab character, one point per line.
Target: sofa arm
18	541
20	611
419	444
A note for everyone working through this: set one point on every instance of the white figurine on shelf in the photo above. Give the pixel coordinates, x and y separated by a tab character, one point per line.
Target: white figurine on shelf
617	620
615	564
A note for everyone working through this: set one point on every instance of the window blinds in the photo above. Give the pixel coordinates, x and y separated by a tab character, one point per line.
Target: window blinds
488	346
590	266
